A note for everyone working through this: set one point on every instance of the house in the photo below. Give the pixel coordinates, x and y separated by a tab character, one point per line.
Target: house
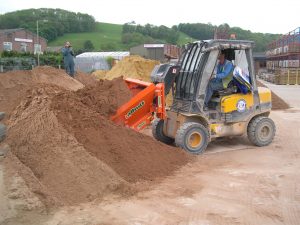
21	40
160	52
260	61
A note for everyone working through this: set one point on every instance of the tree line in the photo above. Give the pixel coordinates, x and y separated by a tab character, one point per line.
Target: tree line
52	22
201	31
133	34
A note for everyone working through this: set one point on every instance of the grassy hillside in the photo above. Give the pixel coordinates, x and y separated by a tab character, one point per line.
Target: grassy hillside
104	35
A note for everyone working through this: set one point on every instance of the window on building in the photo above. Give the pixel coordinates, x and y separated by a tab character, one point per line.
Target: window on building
7	46
23	47
37	48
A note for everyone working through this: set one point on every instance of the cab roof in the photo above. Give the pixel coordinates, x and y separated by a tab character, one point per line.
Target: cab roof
221	44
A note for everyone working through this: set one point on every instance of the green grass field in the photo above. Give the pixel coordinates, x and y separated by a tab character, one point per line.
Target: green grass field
104	35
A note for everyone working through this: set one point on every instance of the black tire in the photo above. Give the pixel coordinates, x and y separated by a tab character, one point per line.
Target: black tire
158	133
261	131
192	137
2	132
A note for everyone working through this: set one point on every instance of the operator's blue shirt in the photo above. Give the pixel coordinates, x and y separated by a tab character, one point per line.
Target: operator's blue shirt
223	70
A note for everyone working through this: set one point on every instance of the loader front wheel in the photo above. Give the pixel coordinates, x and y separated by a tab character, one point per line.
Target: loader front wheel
192	137
158	134
261	131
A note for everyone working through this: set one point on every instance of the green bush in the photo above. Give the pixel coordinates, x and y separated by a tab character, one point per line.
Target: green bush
110	60
27	60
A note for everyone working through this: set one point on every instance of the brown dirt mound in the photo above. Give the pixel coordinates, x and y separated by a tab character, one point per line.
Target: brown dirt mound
277	102
134	156
86	79
105	96
64	171
14	84
133	67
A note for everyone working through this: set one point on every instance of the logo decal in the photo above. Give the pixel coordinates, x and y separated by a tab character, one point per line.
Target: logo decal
134	109
241	105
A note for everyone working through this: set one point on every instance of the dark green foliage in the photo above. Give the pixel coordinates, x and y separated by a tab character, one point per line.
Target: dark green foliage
88	45
27	60
50	59
202	31
199	31
149	32
52	22
110	60
134	39
14	54
108	47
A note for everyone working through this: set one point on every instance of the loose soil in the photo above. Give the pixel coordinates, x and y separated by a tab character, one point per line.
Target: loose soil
15	84
64	146
134	156
85	79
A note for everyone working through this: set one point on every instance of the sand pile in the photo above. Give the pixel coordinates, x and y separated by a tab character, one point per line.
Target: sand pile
133	67
100	74
66	149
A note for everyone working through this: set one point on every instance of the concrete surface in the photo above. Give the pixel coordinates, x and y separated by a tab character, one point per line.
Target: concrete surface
289	93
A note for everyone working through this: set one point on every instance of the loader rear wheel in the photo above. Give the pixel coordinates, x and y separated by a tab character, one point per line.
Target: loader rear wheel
192	137
261	131
158	134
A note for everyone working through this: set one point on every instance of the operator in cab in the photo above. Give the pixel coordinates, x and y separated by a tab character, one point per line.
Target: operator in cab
221	79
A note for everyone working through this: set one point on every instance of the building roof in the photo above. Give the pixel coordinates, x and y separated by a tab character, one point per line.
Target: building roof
11	30
7	31
154	45
115	55
259	55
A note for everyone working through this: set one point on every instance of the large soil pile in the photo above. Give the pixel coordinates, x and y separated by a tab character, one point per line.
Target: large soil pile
65	147
86	79
59	169
14	84
133	67
132	155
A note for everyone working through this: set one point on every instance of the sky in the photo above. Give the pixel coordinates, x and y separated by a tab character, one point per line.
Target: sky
272	16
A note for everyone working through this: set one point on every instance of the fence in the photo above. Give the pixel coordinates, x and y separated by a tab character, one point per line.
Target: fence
283	76
21	63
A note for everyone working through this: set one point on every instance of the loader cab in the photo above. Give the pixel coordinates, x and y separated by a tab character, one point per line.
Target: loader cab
198	65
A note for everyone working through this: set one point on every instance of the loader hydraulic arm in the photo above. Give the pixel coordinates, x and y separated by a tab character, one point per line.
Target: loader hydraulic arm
148	99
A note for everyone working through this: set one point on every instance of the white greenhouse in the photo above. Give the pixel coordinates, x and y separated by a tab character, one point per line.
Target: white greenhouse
90	61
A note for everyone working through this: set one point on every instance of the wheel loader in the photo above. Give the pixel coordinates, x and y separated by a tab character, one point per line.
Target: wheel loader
241	108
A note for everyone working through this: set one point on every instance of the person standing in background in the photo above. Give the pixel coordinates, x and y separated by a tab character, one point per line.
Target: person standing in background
68	56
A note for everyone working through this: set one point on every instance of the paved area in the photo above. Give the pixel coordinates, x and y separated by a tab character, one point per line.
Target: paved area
289	93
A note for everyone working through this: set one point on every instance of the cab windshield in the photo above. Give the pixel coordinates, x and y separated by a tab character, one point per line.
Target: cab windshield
186	83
